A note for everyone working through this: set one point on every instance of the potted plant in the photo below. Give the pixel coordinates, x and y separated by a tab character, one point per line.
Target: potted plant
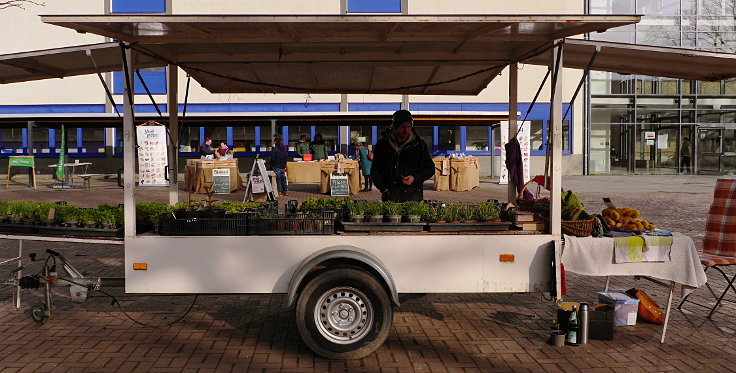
68	215
467	214
433	214
488	211
392	211
4	211
88	217
414	211
452	213
374	211
356	210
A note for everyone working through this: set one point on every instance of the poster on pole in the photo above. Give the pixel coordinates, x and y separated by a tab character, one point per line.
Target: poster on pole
524	144
152	155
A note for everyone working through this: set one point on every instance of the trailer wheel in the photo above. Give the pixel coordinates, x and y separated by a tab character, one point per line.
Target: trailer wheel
38	313
344	313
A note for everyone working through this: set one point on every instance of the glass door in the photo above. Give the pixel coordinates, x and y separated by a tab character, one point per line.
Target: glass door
710	150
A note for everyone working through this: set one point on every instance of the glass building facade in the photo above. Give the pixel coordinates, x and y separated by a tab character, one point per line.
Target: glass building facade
643	124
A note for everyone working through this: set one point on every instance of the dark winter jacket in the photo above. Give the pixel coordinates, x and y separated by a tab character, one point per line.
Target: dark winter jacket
279	154
301	148
390	165
319	150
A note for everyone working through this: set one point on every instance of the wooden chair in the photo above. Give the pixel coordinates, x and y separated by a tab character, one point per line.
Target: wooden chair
719	245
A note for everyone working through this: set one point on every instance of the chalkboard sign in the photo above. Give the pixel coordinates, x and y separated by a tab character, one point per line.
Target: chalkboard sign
339	185
221	180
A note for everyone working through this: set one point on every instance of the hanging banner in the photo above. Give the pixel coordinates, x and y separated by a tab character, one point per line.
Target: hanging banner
152	155
525	146
62	155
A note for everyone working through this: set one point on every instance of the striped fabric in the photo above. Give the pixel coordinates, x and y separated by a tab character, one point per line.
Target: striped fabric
719	244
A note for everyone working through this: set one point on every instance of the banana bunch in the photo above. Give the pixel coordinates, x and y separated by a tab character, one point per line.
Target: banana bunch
626	217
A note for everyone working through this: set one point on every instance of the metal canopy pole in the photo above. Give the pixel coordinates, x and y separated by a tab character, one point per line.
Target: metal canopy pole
129	150
513	127
556	162
173	108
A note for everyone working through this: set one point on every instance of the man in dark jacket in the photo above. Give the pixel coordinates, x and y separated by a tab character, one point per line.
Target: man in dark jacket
279	154
401	161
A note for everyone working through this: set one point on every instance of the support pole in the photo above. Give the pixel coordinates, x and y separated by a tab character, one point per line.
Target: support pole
556	116
513	125
129	150
173	108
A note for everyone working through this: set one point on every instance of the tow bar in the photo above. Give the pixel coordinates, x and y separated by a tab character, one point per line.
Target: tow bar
80	287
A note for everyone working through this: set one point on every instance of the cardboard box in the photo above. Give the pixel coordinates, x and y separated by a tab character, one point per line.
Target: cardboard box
600	322
625	307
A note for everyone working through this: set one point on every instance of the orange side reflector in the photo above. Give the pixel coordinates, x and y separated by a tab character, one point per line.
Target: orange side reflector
506	258
140	266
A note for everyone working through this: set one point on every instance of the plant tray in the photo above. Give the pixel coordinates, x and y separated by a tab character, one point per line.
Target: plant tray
79	232
382	227
291	225
204	227
18	228
468	227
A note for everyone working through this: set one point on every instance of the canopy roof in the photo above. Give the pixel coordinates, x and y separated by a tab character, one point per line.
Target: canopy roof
397	54
64	62
645	60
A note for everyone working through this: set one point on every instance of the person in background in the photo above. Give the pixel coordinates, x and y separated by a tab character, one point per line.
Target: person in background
401	161
206	148
686	151
222	151
365	158
302	147
279	154
318	148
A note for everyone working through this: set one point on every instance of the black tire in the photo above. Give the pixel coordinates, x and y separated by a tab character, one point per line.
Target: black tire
344	313
38	313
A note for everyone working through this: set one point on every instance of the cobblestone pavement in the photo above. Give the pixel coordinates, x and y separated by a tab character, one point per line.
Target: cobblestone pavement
431	332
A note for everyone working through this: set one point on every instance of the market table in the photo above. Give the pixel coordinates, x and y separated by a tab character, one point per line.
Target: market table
457	174
303	172
351	168
464	174
198	174
593	256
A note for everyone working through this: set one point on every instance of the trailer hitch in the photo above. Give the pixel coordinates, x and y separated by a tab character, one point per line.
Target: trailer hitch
80	286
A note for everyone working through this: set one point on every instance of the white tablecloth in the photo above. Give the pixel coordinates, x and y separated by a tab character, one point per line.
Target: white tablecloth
594	256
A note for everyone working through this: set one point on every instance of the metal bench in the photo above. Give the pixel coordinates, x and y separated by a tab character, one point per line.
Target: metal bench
85	179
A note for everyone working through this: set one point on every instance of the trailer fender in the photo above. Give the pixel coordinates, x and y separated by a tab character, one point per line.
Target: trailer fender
345	254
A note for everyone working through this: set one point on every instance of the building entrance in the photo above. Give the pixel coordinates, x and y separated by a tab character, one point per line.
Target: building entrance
710	151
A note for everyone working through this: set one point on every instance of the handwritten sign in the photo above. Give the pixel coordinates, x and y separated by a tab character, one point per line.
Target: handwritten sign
339	185
221	180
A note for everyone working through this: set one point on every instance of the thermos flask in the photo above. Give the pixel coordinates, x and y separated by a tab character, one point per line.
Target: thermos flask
583	338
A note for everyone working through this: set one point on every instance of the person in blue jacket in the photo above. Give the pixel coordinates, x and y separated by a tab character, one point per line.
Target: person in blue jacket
365	157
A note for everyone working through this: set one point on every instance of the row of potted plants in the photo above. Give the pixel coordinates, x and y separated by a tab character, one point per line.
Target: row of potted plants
33	212
415	212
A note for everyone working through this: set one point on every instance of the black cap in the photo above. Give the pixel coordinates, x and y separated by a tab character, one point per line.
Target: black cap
401	116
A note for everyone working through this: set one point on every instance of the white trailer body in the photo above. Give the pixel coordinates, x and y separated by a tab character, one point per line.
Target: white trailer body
265	264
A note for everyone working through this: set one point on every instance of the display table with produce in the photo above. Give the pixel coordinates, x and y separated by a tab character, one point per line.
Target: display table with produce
198	174
351	168
303	172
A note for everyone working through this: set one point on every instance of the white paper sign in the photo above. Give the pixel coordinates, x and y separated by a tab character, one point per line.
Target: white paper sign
152	155
257	185
662	141
525	146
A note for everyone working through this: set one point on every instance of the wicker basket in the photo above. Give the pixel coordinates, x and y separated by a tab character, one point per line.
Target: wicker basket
578	228
524	204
